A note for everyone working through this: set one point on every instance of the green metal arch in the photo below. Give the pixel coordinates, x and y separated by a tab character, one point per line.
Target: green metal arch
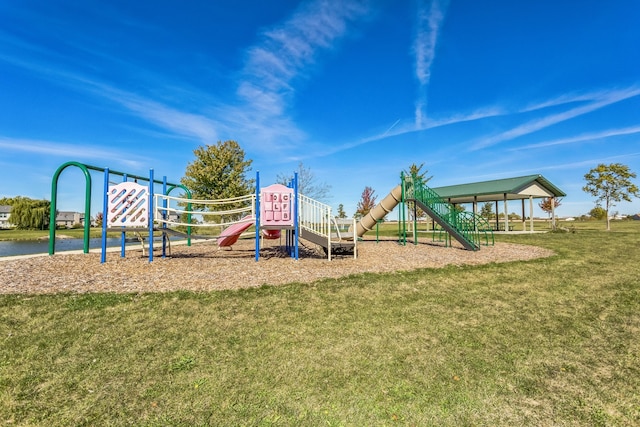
54	205
173	187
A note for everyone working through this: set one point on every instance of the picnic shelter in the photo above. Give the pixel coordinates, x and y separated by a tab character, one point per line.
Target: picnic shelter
517	190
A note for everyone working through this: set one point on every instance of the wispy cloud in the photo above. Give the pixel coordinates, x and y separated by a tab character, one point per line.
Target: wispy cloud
286	50
572	98
430	16
402	127
286	54
68	151
190	125
593	136
177	122
395	129
595	102
593	99
582	164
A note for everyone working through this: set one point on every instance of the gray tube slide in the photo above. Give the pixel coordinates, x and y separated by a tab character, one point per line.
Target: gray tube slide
384	207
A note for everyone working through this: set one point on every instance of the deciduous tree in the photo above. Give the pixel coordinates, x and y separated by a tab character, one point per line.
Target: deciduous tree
366	203
219	171
29	214
9	201
486	211
307	184
341	212
598	213
415	171
99	219
549	204
611	184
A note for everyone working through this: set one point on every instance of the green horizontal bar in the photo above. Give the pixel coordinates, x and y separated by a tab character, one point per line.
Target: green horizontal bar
111	171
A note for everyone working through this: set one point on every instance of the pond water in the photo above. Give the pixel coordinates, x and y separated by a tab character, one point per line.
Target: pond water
28	247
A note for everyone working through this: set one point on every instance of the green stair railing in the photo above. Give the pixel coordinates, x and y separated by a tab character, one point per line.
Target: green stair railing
468	226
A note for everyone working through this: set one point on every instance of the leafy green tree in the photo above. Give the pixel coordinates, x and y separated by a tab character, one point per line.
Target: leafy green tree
486	211
598	213
366	203
9	201
29	214
307	184
610	184
341	212
218	172
415	171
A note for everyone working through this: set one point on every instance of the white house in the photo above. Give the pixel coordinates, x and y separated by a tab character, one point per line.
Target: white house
68	219
5	213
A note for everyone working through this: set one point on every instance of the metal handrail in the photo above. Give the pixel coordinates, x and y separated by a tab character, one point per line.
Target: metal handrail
471	226
314	216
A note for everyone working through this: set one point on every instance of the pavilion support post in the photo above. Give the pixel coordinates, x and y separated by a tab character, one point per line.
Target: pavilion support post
475	210
531	214
524	218
497	219
506	213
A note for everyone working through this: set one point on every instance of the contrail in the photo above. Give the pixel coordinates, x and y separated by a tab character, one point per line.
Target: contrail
392	126
430	16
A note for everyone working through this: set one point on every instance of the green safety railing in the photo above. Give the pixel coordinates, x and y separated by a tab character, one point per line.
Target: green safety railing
471	227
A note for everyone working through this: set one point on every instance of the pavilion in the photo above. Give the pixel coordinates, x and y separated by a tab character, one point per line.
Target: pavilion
503	190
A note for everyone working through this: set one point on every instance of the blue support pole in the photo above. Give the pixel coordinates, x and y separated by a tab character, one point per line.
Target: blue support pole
124	234
288	235
164	216
295	214
257	214
150	207
402	219
103	256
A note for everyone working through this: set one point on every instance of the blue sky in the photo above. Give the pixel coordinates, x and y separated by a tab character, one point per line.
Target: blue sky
356	90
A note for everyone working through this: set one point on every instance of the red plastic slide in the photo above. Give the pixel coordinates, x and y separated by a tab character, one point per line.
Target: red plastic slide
231	234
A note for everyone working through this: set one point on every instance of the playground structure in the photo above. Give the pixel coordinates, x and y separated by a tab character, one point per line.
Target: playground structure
132	207
87	201
468	228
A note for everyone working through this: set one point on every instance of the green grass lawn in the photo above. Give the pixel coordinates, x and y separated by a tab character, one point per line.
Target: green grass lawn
549	342
78	233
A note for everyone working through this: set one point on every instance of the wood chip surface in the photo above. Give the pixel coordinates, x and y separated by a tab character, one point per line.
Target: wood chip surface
205	267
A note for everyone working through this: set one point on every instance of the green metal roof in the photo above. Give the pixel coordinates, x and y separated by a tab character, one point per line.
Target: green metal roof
521	187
